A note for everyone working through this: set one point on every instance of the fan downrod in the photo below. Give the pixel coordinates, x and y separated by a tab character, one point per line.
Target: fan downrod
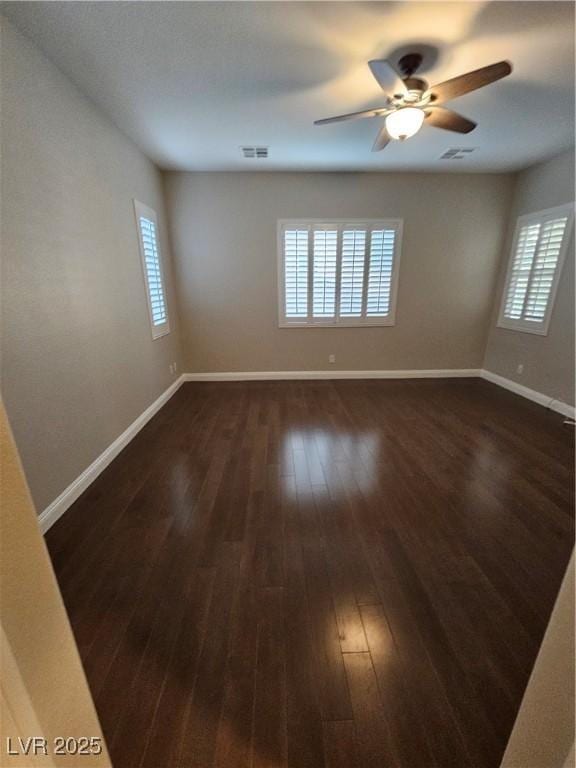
410	63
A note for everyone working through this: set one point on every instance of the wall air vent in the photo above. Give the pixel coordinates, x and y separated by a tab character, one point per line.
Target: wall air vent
457	153
255	153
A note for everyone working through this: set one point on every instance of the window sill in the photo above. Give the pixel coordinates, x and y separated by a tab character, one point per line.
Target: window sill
160	334
536	331
375	324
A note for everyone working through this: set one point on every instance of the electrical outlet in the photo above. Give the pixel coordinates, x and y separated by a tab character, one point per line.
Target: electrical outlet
175	367
331	358
520	369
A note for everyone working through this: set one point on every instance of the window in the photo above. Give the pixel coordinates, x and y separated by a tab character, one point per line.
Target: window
338	273
152	266
534	269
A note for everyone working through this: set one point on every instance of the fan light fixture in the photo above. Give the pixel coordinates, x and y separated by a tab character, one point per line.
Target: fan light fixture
410	99
404	122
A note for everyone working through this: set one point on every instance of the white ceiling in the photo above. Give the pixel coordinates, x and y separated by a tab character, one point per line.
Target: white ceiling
191	82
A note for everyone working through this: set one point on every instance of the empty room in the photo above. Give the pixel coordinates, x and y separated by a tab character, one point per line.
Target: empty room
287	376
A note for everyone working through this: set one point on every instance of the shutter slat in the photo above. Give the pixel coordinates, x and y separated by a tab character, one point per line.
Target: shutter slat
154	282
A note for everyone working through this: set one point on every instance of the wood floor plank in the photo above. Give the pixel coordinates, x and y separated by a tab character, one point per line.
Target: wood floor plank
303	712
197	741
325	636
141	708
398	692
374	744
315	574
161	743
234	737
269	730
340	744
339	569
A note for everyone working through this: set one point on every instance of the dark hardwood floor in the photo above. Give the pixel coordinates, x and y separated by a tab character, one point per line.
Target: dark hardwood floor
343	574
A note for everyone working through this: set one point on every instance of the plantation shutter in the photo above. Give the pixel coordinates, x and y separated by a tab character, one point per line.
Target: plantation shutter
521	269
381	267
324	273
544	268
338	273
296	273
352	272
152	267
534	269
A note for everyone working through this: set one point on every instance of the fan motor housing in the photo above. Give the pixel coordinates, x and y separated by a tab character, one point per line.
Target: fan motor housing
415	84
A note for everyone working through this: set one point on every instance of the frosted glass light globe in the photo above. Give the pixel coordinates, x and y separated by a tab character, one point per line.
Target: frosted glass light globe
405	122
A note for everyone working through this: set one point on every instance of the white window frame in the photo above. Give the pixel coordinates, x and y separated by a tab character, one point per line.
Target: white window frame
340	225
538	217
149	213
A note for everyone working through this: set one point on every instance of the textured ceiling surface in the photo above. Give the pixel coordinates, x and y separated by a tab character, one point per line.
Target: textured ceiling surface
192	82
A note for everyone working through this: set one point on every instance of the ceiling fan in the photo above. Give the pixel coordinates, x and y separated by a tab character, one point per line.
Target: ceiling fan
410	102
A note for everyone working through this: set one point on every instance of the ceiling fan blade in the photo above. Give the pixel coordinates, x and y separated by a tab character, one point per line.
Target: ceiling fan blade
381	140
386	76
458	86
440	117
376	112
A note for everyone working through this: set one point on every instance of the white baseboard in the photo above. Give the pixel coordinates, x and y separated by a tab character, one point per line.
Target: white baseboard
566	410
441	373
436	373
530	394
53	512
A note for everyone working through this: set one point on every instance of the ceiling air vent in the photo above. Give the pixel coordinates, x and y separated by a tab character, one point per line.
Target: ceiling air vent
255	153
457	153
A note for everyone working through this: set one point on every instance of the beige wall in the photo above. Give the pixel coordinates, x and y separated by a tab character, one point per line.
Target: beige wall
543	734
43	691
548	360
223	229
78	360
